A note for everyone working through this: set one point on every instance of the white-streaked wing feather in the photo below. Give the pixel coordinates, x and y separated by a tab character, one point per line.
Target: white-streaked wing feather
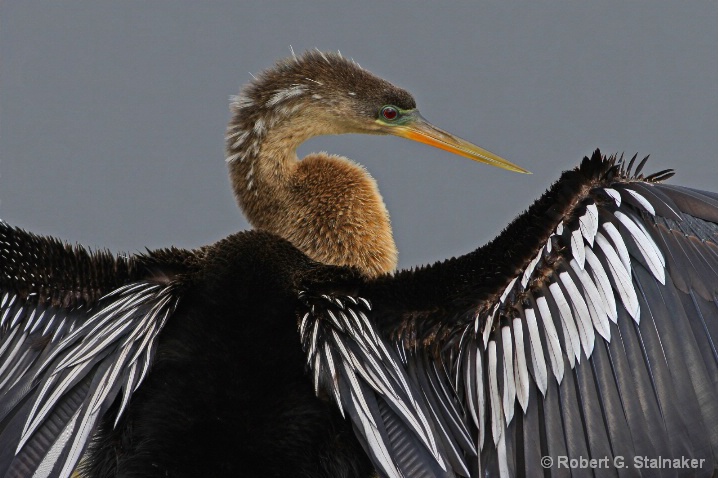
653	256
570	331
589	223
621	277
509	392
603	284
521	372
537	356
618	244
553	344
577	247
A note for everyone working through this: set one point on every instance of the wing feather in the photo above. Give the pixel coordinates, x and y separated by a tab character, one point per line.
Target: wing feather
538	360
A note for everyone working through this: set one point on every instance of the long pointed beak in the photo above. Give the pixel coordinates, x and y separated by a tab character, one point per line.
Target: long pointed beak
418	129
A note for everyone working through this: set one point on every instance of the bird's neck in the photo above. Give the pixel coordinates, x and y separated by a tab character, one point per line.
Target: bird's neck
327	206
261	166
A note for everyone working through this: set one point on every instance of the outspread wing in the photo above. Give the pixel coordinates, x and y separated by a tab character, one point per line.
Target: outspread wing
599	342
603	345
77	329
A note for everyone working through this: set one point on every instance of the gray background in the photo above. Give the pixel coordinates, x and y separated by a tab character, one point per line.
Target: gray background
112	114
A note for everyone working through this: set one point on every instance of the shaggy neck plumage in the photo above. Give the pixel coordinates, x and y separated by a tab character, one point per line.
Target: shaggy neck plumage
262	158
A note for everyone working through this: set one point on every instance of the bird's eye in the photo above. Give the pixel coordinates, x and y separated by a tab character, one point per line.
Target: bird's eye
389	113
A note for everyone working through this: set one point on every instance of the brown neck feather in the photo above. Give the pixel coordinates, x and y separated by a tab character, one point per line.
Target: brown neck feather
327	206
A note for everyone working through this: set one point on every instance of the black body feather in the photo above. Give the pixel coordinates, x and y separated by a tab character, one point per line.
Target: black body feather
228	388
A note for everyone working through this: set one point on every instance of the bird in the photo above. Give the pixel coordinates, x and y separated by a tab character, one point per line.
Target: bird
579	341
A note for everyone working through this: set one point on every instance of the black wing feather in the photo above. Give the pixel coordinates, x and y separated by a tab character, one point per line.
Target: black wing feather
693	202
607	393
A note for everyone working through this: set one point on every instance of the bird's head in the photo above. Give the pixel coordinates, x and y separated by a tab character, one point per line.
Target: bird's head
325	93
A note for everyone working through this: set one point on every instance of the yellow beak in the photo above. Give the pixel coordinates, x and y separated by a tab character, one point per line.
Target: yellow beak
418	129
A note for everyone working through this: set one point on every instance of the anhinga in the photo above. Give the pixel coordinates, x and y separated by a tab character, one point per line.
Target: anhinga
585	331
